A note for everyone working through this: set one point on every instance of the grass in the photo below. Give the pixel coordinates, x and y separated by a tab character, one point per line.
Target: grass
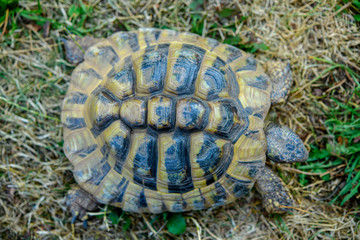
320	39
339	160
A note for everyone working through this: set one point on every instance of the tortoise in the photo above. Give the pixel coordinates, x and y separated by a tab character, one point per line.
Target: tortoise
159	120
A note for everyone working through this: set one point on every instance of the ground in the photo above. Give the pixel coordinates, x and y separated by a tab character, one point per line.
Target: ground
320	39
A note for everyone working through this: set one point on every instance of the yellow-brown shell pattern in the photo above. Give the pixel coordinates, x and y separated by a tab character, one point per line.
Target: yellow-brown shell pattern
156	120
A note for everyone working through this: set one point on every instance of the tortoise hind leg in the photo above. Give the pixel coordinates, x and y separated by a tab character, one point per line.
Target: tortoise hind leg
275	196
281	79
80	202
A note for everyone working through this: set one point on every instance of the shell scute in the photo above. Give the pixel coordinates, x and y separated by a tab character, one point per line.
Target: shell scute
184	64
103	108
151	69
191	114
133	112
161	112
121	83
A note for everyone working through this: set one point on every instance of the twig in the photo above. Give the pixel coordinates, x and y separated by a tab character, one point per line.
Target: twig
5	25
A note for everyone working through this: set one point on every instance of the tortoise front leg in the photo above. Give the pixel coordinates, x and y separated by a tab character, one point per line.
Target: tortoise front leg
80	202
275	196
281	79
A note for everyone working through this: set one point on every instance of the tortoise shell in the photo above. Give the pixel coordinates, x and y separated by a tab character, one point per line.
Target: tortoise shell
156	120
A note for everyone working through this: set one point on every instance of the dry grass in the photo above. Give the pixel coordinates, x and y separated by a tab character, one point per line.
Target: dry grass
35	175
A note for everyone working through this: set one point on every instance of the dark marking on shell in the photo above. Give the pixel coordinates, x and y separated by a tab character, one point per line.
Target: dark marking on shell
127	74
145	163
215	78
157	34
133	41
99	172
77	98
86	151
233	53
75	123
122	189
142	200
237	187
154	66
220	195
261	82
189	118
227	129
227	156
120	146
199	204
165	112
251	65
187	67
177	165
258	115
209	155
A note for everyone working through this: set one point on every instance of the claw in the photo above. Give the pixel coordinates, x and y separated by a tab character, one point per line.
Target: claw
85	224
73	219
80	202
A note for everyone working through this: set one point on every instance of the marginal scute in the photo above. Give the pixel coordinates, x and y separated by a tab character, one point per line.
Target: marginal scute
194	199
74	123
75	98
173	202
150	35
133	199
76	142
85	77
110	187
133	112
232	53
154	202
237	187
161	112
102	55
125	40
92	172
191	114
216	195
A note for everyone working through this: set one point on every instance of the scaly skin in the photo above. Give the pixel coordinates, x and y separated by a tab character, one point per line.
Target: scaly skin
74	50
281	78
275	196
